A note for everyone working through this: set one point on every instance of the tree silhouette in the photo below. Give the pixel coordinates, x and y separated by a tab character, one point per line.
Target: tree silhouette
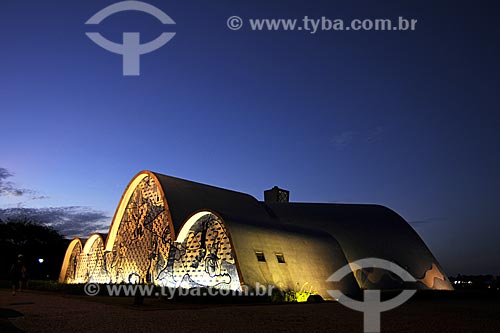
34	241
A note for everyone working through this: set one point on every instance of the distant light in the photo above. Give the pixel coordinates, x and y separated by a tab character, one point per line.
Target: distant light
40	260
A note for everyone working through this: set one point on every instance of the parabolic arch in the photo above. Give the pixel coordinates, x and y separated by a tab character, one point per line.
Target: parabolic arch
141	246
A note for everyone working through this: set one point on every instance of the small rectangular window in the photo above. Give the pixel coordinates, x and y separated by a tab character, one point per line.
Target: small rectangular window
260	256
280	257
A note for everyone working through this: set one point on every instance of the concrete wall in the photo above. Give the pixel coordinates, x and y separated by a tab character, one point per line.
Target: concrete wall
309	259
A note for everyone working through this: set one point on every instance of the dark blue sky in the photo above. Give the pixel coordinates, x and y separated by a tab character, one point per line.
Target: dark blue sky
407	119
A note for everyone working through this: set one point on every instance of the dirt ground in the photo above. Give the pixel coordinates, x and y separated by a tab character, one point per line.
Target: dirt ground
33	311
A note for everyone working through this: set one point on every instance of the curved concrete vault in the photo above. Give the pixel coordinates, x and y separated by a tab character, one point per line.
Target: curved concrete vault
177	233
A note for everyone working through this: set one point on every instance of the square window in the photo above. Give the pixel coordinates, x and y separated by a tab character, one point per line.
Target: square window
280	257
260	256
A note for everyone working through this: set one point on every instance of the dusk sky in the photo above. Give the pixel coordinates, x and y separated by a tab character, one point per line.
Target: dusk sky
406	119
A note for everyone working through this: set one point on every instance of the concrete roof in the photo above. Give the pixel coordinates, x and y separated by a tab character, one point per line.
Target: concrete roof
185	197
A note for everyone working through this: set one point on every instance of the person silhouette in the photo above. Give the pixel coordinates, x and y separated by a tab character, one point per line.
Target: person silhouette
18	274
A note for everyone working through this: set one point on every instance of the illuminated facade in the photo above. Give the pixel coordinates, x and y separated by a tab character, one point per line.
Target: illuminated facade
172	232
141	247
